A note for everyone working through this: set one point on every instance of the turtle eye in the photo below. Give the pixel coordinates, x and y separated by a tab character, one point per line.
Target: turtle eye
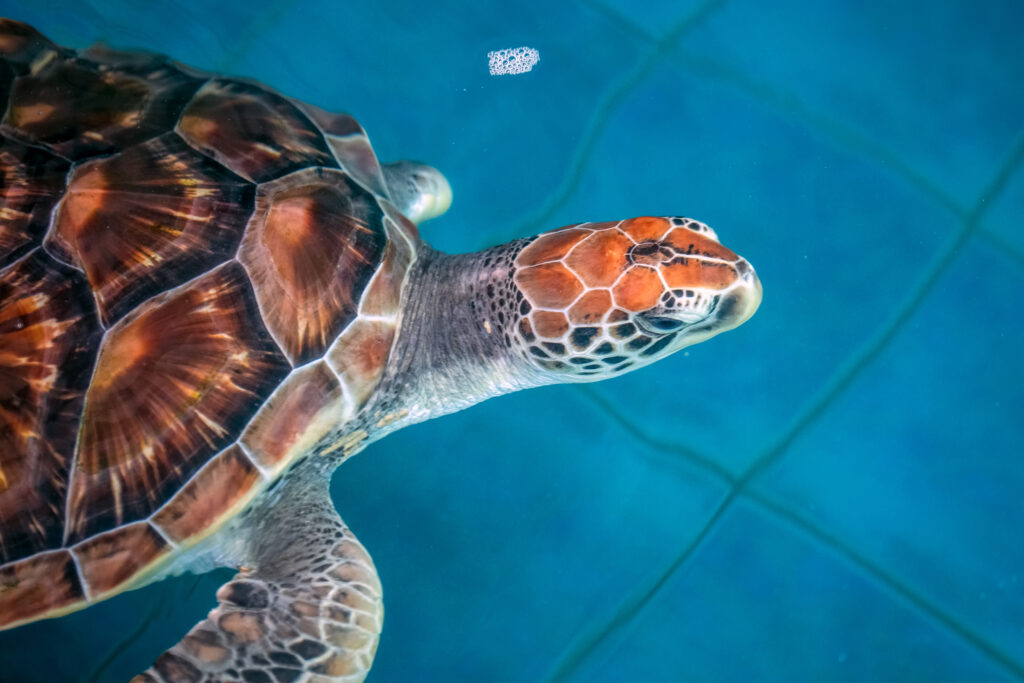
659	324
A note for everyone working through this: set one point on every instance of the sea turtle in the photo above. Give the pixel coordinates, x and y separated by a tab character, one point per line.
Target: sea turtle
211	295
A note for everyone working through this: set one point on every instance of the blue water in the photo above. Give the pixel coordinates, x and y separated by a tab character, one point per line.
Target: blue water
833	492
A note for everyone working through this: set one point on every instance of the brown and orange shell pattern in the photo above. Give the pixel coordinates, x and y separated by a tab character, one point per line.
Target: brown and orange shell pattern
198	276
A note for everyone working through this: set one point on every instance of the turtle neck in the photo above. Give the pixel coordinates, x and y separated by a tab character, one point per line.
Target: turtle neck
452	349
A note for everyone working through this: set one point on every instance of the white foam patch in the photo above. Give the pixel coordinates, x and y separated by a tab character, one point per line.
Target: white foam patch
514	60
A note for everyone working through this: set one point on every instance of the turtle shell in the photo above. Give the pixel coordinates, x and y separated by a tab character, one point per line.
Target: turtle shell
199	279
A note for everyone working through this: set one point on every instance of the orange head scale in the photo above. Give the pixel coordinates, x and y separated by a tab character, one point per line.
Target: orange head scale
602	298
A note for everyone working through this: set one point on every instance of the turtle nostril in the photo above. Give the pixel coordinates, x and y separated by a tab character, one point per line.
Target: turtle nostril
745	271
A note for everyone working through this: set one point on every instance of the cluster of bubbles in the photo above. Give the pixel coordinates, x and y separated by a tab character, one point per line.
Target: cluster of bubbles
514	60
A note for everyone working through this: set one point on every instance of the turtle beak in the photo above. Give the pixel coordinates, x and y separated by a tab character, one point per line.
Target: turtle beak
738	304
732	308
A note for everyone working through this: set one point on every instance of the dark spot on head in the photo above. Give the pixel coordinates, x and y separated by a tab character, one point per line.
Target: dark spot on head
617	315
524	307
579	360
553	365
624	331
282	675
724	308
285	659
583	336
173	668
658	345
604	349
612	360
539	352
308	649
526	330
256	676
555	347
247	594
638	343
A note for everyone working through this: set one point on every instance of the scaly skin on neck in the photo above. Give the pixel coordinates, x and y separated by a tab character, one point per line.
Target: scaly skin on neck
454	346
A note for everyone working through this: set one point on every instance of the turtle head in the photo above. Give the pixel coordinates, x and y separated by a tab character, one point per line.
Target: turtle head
599	299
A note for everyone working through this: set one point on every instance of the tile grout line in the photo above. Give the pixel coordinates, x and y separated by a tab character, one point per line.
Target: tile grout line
625	615
795	519
581	648
656	444
157	608
1010	251
843	137
251	33
833	131
880	340
612	99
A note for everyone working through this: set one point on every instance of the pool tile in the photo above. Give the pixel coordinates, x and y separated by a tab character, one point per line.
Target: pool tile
184	30
112	640
836	242
917	464
760	601
656	17
503	531
940	87
1005	218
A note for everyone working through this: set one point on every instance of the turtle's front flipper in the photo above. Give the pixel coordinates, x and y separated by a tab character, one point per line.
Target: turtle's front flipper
311	606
